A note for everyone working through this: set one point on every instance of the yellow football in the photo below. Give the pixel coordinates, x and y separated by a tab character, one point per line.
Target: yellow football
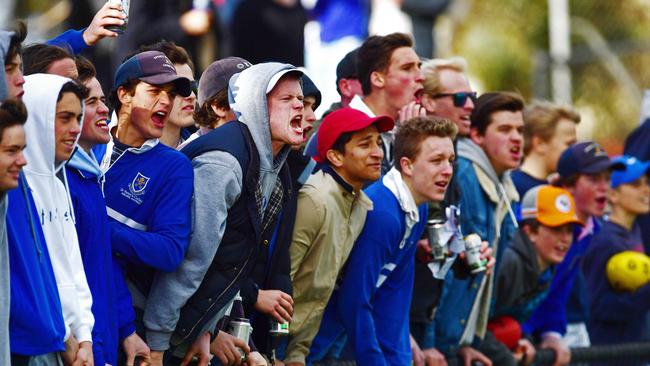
627	271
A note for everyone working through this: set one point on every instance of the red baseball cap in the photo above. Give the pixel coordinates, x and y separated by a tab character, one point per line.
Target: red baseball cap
346	120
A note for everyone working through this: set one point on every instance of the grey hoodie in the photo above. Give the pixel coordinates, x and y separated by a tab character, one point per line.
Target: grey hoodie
217	186
5	357
5	39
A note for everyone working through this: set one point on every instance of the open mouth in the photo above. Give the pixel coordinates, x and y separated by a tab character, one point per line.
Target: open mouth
102	124
418	96
69	143
159	119
305	132
601	201
515	151
14	174
296	124
442	184
466	120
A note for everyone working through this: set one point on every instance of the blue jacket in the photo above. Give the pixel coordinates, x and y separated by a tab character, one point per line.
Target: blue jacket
72	40
616	316
460	293
566	299
36	321
373	299
148	194
93	232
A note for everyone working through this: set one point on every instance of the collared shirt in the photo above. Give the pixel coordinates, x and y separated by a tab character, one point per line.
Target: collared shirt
588	229
394	182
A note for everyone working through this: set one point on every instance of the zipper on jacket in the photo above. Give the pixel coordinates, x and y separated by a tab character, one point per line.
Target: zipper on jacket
220	295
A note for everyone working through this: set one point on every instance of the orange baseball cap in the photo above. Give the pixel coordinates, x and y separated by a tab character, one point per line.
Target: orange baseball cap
551	206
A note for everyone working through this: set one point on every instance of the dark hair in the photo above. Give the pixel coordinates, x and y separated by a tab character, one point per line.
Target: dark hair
409	136
342	140
175	53
12	112
114	100
489	103
15	48
532	223
85	68
79	90
375	54
568	182
204	115
38	57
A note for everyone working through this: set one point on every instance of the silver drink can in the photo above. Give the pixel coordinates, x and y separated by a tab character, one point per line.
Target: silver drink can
278	329
438	250
473	254
240	328
119	29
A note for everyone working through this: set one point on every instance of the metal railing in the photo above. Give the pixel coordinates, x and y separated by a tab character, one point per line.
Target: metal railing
629	352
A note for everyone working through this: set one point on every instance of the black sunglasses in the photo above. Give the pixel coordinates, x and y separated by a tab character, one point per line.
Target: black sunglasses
459	98
194	85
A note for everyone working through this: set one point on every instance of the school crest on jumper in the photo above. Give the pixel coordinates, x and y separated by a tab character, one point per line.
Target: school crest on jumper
138	184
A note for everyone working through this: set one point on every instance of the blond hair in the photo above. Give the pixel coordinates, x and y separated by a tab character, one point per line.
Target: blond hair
541	118
431	69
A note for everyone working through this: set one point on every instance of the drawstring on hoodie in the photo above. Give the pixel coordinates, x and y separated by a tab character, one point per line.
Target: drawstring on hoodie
504	196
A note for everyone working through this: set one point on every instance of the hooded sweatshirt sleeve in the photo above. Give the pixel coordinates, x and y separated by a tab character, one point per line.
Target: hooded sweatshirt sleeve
217	185
72	40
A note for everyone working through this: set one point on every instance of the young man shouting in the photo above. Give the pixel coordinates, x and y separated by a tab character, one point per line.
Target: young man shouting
148	186
241	185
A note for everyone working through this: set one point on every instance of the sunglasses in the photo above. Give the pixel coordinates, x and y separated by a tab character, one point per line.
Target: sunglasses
194	85
459	98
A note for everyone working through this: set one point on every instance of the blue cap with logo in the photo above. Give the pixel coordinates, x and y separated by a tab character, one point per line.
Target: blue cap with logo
633	170
585	158
154	68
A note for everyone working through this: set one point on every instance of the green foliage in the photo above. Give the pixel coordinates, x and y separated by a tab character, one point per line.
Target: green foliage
500	39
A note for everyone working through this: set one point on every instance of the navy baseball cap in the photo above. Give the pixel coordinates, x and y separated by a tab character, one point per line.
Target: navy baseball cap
585	158
154	68
633	169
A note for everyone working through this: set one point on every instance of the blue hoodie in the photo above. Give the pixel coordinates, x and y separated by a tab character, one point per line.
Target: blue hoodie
84	177
36	320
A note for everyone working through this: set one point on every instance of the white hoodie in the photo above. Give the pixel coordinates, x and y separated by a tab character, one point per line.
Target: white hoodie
52	199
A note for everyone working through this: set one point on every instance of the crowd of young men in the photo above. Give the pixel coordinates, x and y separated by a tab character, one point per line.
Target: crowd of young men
152	229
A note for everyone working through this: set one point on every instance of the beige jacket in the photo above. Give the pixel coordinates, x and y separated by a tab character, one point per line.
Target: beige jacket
329	219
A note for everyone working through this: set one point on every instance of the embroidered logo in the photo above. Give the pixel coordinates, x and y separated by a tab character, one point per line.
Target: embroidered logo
138	184
136	188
